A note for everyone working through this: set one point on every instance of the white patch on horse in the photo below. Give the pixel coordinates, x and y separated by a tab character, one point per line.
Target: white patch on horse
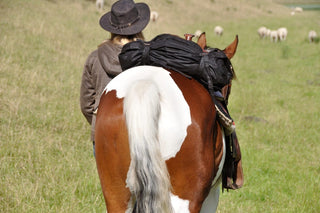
175	113
210	204
179	205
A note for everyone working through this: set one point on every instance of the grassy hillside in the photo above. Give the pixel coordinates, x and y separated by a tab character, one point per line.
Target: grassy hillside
46	156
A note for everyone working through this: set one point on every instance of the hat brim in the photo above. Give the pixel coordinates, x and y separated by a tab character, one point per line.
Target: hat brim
134	28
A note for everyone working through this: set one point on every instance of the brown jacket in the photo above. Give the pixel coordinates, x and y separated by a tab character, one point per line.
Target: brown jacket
100	67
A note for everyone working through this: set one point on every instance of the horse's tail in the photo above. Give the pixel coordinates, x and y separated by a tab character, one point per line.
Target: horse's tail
147	178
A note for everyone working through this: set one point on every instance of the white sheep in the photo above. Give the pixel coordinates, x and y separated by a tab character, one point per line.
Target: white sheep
218	30
312	36
274	35
154	16
282	33
298	9
99	4
197	33
262	32
268	32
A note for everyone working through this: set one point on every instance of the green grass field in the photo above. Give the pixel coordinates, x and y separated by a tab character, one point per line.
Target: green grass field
46	155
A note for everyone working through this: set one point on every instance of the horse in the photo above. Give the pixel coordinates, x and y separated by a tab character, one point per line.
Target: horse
159	146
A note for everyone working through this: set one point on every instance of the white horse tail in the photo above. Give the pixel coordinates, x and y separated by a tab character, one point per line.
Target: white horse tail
147	178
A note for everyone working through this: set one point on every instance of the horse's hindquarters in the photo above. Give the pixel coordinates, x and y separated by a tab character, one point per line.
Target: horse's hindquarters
189	138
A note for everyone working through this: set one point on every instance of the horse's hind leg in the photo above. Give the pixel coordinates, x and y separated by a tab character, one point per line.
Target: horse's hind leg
112	156
113	182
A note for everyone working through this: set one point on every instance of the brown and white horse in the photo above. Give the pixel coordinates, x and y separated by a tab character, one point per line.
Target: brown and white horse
159	146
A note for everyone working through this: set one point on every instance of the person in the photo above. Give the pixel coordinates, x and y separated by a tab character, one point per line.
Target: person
125	22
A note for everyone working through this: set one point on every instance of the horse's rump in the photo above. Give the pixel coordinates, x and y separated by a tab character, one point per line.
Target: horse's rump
186	146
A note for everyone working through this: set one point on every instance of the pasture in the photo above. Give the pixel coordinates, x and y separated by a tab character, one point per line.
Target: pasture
46	155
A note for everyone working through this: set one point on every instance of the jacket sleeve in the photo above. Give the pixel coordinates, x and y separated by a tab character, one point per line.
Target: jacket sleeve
87	89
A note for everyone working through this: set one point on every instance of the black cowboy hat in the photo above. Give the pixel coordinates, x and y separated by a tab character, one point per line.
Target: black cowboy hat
126	18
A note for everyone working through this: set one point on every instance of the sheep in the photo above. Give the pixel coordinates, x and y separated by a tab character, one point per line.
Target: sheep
154	16
298	9
218	30
312	36
268	32
282	33
197	33
274	35
262	32
99	4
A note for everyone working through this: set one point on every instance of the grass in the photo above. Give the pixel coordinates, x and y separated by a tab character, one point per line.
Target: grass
46	156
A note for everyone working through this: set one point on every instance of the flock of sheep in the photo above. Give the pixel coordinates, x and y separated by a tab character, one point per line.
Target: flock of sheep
275	35
263	32
281	34
296	10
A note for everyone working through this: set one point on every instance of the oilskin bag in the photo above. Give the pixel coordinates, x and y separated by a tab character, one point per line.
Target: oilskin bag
212	69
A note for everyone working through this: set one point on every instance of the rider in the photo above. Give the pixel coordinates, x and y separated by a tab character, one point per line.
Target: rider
125	22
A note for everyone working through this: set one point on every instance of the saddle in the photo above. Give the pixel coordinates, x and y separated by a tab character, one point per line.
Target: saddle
212	69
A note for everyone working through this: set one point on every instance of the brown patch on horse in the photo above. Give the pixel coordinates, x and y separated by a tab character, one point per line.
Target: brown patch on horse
112	148
202	149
